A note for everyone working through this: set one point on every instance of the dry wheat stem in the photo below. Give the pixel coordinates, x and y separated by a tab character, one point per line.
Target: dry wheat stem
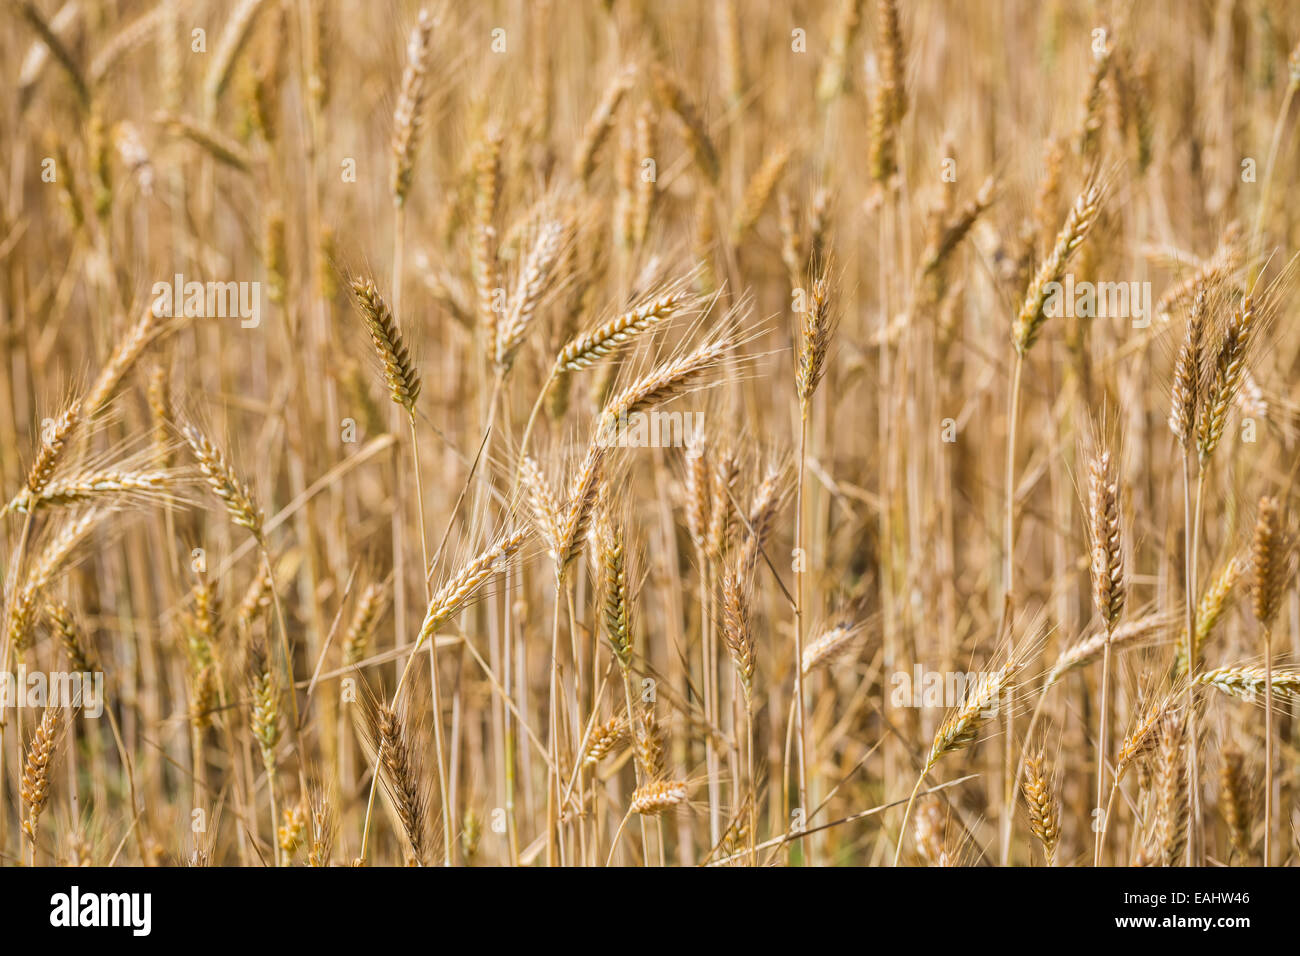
1108	591
1268	567
962	728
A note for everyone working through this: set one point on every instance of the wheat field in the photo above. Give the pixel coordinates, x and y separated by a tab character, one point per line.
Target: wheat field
539	433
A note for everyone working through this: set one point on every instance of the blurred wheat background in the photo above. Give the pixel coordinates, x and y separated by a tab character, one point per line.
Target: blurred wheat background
377	569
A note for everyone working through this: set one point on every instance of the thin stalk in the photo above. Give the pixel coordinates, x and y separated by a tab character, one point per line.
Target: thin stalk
1010	771
275	809
198	760
11	592
489	428
397	525
1024	748
907	815
613	843
508	733
636	766
574	705
753	784
287	653
1275	144
1196	841
292	689
801	753
130	776
1268	745
708	661
552	772
419	501
1189	585
399	249
1101	742
439	750
438	737
528	429
1110	803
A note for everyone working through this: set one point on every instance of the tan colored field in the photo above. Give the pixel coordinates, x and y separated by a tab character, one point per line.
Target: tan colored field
855	432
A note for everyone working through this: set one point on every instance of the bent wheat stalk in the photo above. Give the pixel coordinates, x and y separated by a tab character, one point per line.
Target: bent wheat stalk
460	588
961	729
